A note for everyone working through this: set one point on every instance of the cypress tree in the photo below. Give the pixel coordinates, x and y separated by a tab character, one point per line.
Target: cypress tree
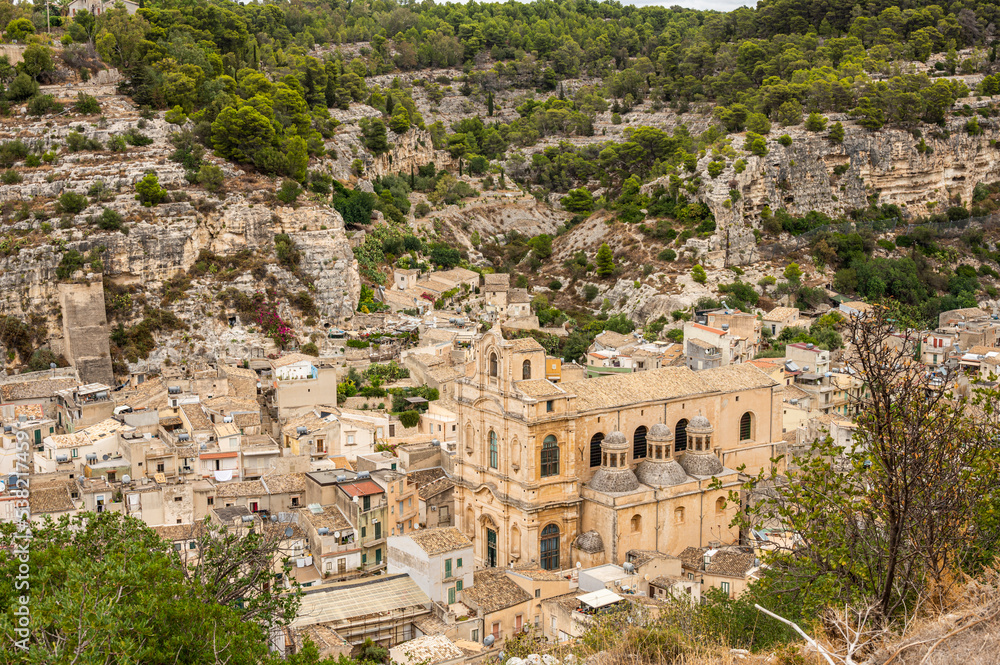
489	105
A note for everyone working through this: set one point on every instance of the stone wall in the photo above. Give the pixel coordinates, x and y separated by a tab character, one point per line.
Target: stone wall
85	330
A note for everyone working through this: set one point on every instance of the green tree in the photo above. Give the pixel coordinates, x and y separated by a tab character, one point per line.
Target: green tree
37	61
815	122
23	87
20	28
605	261
85	594
698	274
400	120
148	191
374	137
211	177
298	158
836	132
578	200
241	134
121	38
793	273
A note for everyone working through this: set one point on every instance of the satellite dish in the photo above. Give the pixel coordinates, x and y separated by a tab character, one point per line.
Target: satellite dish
52	365
336	534
126	478
274	518
105	458
488	642
3	486
579	565
288	532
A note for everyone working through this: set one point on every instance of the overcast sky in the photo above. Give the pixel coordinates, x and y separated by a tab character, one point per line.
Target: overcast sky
721	5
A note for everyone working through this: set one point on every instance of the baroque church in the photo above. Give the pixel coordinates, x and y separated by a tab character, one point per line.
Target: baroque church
555	474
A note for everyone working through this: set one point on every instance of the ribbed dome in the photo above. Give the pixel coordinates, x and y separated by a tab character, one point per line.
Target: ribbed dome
699	423
661	473
659	432
701	463
614	480
615	440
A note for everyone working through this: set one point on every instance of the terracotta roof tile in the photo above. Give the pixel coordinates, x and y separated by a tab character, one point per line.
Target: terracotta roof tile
438	541
493	591
35	389
434	488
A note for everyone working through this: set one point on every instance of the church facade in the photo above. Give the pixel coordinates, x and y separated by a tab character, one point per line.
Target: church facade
559	473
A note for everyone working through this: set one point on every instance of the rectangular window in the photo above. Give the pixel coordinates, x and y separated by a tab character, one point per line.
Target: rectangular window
725	587
447	567
458	585
160	467
538	593
548	406
295	501
518	623
211	500
364	531
496	630
350	439
458	563
475	634
75	453
364	558
192	545
367	503
451	596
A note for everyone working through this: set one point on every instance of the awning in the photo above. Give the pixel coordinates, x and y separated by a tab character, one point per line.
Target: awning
599	598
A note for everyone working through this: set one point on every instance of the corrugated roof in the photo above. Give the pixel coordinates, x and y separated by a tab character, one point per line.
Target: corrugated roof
338	602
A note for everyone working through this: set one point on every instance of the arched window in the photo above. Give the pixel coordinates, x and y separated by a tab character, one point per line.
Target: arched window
550	547
595	449
526	370
636	523
679	516
720	505
550	457
493	365
494	451
681	435
746	426
639	442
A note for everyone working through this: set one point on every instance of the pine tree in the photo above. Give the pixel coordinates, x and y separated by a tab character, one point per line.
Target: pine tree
605	261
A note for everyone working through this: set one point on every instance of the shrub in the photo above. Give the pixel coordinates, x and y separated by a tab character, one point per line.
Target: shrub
310	349
555	285
75	142
785	140
72	203
11	177
590	292
117	143
176	116
20	28
289	191
148	191
698	274
32	161
22	87
211	177
111	220
815	122
137	138
667	255
409	418
421	209
42	104
86	104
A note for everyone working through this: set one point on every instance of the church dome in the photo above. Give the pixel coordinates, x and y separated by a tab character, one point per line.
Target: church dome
701	463
614	481
659	432
661	473
615	441
699	424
